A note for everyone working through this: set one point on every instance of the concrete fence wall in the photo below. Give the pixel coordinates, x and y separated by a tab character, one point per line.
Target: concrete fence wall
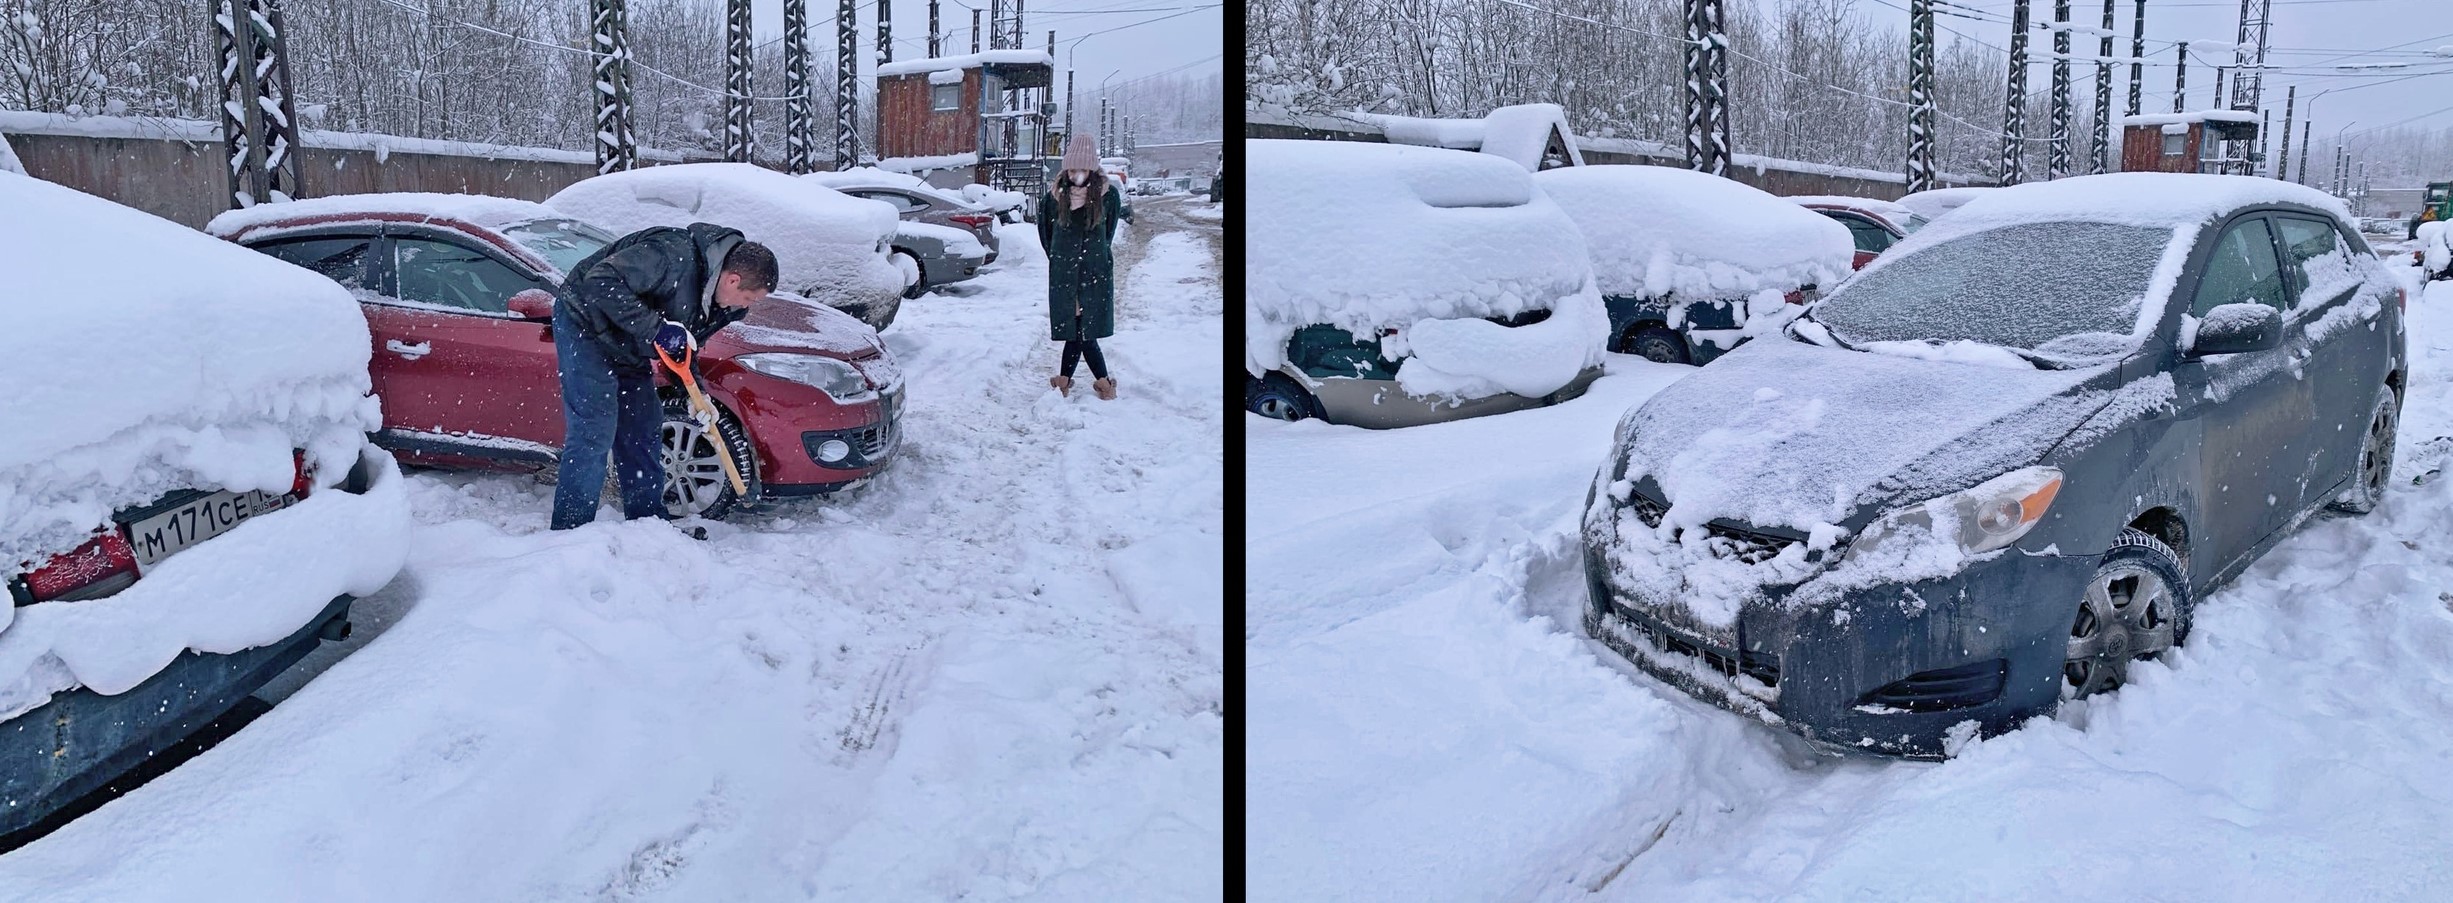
184	182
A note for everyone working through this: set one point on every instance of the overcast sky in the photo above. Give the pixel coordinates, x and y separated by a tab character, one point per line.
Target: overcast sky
1095	37
2311	37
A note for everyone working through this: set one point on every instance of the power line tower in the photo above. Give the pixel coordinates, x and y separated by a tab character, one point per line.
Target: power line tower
885	32
737	51
2137	60
2057	150
800	117
2099	154
609	44
1707	87
935	46
847	85
1920	96
2248	81
259	123
2180	79
2014	110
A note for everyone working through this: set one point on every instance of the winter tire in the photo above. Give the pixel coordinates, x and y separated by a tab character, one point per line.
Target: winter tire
2136	606
694	482
1658	344
2375	467
1279	398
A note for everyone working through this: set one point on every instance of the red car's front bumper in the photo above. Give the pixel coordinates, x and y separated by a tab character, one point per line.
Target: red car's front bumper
788	424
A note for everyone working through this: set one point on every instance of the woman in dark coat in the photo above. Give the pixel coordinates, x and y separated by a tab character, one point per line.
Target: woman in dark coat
1077	226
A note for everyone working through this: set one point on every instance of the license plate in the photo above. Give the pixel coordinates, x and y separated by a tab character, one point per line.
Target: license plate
164	534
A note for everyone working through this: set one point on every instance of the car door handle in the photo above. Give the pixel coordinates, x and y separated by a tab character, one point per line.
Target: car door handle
412	352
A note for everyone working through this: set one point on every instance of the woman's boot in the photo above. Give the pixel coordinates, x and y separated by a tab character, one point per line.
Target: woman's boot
1063	384
1106	387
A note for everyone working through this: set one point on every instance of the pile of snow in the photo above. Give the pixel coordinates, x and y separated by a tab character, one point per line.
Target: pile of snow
148	358
1932	203
1366	236
928	164
994	198
829	246
1657	231
475	209
1473	358
2435	247
1519	133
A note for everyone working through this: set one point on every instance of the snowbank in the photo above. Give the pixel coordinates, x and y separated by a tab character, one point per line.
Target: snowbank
1364	236
2435	247
149	357
1656	231
966	61
1474	358
829	246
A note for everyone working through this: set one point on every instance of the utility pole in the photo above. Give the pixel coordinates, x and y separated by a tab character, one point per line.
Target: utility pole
1069	95
2265	143
2014	113
2180	80
885	32
2282	163
2305	141
2249	58
609	48
2057	150
1920	95
2137	60
737	81
935	48
1707	88
2099	156
259	121
847	85
800	119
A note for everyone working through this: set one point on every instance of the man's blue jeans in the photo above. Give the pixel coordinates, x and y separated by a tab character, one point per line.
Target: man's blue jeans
605	410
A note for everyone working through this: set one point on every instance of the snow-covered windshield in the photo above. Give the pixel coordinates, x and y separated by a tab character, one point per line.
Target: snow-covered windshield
564	242
2063	289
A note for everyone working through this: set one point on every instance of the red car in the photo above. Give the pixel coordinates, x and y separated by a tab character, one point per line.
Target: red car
458	291
1875	225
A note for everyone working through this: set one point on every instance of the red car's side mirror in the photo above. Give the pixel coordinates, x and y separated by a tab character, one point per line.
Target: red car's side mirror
535	304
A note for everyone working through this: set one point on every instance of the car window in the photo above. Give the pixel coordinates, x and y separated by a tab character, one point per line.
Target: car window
441	273
563	242
907	203
2320	267
2243	269
343	258
1869	237
2067	290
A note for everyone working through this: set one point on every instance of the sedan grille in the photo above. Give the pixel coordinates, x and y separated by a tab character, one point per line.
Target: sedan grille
1722	542
1761	666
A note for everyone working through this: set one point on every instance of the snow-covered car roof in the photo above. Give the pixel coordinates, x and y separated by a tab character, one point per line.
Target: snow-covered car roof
827	244
1897	214
1659	230
873	177
1362	236
475	209
146	356
1932	203
2155	199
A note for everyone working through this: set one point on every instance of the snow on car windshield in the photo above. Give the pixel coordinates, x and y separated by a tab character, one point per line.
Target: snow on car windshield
564	242
2064	289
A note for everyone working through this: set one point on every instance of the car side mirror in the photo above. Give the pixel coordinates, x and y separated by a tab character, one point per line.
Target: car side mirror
2234	328
534	304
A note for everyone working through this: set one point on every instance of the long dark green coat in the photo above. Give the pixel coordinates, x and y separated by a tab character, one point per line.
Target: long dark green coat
1081	271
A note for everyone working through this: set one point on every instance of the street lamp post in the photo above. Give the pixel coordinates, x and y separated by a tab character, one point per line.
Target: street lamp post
1106	142
2341	158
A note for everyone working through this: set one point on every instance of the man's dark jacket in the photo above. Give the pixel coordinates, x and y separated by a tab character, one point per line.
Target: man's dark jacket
623	292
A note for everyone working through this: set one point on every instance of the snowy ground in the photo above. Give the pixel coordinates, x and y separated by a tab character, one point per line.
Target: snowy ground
1429	723
994	674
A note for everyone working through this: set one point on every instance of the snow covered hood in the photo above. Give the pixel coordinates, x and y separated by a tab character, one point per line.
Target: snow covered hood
1781	433
1658	230
825	242
149	357
789	322
1361	236
475	209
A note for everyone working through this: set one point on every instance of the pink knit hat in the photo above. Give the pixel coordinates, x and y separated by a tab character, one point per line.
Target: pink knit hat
1081	153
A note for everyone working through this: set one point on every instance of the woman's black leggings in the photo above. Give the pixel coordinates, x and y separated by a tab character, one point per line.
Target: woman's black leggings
1086	348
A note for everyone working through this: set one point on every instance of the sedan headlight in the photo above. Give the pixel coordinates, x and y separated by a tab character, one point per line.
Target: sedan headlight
837	379
1989	516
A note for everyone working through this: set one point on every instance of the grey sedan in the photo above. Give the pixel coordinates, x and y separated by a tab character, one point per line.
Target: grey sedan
1998	468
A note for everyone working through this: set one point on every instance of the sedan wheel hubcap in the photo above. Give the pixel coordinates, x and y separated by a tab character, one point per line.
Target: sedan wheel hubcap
1279	409
2376	459
693	478
2126	615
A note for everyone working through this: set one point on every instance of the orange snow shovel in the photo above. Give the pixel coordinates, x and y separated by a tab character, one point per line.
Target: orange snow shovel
704	411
